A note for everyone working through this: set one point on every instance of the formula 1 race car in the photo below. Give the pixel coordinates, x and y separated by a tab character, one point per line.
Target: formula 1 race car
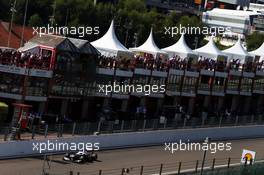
80	157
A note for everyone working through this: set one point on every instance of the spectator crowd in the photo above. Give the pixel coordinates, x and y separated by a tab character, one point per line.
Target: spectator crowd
24	59
146	61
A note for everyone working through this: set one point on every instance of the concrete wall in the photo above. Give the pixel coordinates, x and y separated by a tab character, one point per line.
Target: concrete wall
121	140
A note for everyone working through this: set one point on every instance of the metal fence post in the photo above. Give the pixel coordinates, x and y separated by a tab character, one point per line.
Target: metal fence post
6	133
122	171
175	123
220	121
161	167
61	130
196	166
179	168
228	163
236	120
112	127
252	119
58	130
59	134
154	123
84	128
251	161
203	121
99	126
144	125
88	128
165	123
133	125
141	170
73	128
259	119
33	132
246	162
184	122
100	172
243	120
46	130
213	166
122	125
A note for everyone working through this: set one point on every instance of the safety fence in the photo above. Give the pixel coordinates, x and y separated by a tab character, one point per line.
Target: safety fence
229	166
121	126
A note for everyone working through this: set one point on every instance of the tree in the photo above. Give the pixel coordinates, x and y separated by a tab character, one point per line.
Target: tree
194	27
133	20
35	21
254	40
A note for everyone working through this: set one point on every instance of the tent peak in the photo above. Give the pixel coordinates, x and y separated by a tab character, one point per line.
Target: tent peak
209	49
237	49
109	41
180	48
211	40
149	46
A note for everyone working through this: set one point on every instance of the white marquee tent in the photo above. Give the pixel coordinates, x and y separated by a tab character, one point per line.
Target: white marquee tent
211	51
180	48
149	47
238	52
109	45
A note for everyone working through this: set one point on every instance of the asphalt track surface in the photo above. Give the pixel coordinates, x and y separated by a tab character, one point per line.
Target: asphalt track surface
112	161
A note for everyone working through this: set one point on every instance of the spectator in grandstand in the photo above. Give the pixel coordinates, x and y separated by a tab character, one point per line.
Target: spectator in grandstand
24	59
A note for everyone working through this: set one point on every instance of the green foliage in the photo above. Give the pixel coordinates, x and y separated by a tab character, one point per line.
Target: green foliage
35	20
135	5
131	18
192	22
217	43
254	40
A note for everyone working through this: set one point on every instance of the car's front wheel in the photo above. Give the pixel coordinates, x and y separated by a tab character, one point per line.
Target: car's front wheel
66	159
94	157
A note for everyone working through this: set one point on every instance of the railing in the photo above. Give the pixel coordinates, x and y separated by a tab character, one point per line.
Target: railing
27	62
10	88
211	167
218	88
121	126
36	91
16	89
204	87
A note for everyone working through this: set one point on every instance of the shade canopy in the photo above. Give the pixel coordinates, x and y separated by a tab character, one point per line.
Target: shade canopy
3	105
180	48
109	45
210	51
238	52
60	43
259	52
84	46
30	47
149	47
